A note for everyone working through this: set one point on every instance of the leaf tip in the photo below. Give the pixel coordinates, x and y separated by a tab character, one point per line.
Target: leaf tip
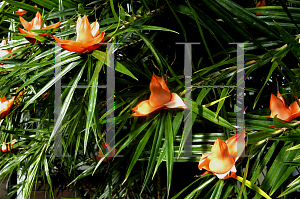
124	181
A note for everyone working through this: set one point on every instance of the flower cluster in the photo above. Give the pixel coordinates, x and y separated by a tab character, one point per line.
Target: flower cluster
221	160
280	108
160	97
35	24
88	37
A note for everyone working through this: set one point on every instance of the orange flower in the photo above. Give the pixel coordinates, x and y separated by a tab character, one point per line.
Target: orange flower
88	37
5	105
34	25
105	146
20	12
280	108
221	160
261	3
160	97
5	147
6	51
45	95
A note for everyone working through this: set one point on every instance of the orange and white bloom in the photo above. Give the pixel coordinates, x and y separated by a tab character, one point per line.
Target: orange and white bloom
3	147
6	148
6	51
35	24
88	37
221	160
160	97
106	147
5	105
20	12
279	107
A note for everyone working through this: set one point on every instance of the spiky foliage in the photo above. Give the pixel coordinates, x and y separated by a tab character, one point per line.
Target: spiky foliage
146	36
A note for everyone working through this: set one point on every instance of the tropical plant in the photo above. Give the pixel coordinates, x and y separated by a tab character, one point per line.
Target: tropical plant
83	69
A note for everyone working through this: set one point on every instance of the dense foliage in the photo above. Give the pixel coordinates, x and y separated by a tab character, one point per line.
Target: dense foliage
150	149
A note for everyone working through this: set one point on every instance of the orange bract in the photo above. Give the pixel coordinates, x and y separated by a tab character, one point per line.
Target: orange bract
160	97
6	148
20	12
106	147
5	105
221	160
88	37
261	3
35	23
280	108
6	51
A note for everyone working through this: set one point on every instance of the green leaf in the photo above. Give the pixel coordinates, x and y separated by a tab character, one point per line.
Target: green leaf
160	158
284	6
293	44
294	2
211	116
290	190
202	186
179	21
273	67
263	162
218	190
45	88
45	30
25	6
280	123
113	10
200	31
47	174
101	56
294	147
67	100
155	147
186	131
91	109
242	190
46	3
134	133
137	28
277	170
169	150
291	137
152	48
230	21
62	14
223	95
248	17
178	194
227	190
141	147
286	171
254	187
